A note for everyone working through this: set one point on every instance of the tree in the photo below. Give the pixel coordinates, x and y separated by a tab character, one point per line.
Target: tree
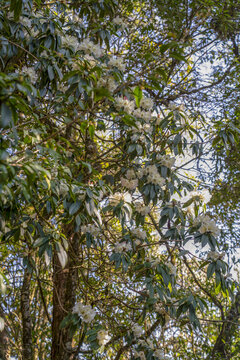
106	122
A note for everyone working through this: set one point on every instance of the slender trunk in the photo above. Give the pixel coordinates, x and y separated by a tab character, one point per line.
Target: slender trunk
27	345
64	290
222	348
4	342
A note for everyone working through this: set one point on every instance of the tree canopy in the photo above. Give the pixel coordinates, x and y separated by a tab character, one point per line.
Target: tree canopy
119	137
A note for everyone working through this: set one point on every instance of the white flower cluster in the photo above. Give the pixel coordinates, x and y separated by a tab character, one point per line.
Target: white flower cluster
172	268
207	225
90	48
214	255
159	354
153	175
85	311
118	197
159	309
139	354
127	105
146	103
156	262
139	234
123	246
30	71
118	21
174	107
130	182
137	330
117	62
102	337
91	229
142	209
139	132
72	41
142	114
90	59
108	82
201	195
166	160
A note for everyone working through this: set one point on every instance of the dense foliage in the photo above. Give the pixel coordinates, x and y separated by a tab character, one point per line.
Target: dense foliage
115	116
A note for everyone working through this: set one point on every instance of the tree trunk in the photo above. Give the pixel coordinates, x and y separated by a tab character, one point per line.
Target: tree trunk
222	347
64	290
4	342
27	345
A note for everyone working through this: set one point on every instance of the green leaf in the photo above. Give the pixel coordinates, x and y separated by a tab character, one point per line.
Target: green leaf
91	131
16	6
210	270
74	207
138	95
6	116
50	72
41	241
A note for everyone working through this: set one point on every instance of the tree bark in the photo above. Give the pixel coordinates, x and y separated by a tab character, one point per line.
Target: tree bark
222	347
4	342
64	290
27	345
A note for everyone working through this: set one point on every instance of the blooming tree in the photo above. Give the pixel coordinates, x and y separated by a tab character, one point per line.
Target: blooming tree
108	248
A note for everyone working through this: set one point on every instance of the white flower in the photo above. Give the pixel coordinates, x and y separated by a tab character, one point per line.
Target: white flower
108	82
2	324
166	160
138	242
129	184
118	21
207	225
140	173
127	105
140	234
117	62
102	337
69	40
201	195
150	344
137	113
156	262
153	176
142	209
130	174
118	197
214	255
90	228
123	246
111	84
159	354
90	48
90	59
146	103
85	311
30	71
140	354
172	106
172	268
145	115
137	330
